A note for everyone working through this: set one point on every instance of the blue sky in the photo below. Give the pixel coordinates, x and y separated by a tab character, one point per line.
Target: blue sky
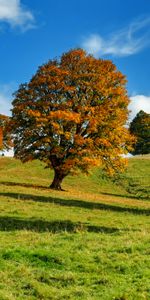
32	32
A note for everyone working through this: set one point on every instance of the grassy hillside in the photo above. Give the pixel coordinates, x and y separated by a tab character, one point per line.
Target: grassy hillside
89	242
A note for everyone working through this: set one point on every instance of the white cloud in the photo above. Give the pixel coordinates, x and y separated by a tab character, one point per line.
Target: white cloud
4	105
139	102
9	153
6	91
14	13
6	98
124	42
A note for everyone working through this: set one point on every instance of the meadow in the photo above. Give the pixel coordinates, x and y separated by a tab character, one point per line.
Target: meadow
89	242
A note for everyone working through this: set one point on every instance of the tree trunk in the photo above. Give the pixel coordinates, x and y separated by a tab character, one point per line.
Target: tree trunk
56	184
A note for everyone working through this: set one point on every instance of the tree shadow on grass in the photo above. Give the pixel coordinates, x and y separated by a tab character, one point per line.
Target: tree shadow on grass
11	224
27	185
42	187
136	197
77	203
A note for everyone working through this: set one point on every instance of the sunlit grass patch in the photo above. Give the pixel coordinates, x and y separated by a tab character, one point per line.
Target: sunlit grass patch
88	242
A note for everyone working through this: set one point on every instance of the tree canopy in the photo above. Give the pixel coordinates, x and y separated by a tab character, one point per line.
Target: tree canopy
71	115
140	127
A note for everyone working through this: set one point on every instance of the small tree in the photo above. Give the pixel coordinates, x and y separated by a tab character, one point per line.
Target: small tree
5	140
71	115
140	127
1	138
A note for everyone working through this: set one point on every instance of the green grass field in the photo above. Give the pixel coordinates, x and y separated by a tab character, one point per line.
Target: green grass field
90	242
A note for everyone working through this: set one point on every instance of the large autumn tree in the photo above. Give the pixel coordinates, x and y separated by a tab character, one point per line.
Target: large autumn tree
140	127
71	115
5	140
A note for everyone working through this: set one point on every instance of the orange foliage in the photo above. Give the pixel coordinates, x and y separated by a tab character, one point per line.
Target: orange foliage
72	114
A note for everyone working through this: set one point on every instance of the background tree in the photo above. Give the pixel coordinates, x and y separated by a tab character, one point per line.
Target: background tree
140	127
5	140
71	115
1	138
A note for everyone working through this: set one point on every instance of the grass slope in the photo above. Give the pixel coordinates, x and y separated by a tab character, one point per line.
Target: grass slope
90	242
